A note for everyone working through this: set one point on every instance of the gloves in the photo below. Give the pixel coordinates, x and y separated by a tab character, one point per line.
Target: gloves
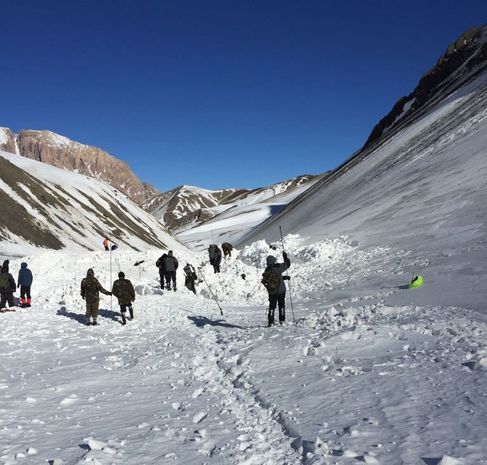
284	255
286	278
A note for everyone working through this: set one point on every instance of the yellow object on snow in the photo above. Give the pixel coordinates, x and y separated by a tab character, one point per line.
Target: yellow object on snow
417	281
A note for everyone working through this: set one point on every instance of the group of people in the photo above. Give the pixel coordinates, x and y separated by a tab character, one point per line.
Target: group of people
122	289
272	278
8	285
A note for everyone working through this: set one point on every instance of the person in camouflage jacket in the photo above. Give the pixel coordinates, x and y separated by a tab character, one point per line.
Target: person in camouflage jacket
124	291
90	291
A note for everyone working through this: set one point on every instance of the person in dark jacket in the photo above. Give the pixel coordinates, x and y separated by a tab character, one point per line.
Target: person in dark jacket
211	254
170	264
90	291
217	258
277	296
24	282
190	277
160	264
7	287
124	291
227	249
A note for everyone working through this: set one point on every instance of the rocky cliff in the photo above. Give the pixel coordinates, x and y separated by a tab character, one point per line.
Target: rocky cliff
463	59
59	151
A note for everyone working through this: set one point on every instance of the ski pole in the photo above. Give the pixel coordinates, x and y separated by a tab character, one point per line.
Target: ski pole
211	292
287	274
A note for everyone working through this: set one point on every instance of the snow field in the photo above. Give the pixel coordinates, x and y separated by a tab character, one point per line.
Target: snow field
357	379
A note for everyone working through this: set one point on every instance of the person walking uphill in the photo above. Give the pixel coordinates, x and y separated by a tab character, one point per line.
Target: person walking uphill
170	265
217	258
90	291
273	281
24	282
190	277
7	287
124	291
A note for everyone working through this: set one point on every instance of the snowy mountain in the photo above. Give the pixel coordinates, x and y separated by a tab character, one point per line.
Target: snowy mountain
59	151
233	219
186	208
44	206
364	370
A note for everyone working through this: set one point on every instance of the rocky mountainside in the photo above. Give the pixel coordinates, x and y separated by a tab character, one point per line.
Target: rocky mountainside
463	59
59	151
419	174
186	207
44	206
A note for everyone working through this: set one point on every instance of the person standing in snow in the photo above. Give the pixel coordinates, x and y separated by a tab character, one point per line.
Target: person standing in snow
211	254
160	263
7	287
24	282
273	280
124	291
217	258
105	244
170	265
227	249
90	291
190	277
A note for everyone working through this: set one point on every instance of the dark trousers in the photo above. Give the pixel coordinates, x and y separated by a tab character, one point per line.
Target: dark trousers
216	267
170	276
280	301
161	275
189	283
6	295
123	309
25	292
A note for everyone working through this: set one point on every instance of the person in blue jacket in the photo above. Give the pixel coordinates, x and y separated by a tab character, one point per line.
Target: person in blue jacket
24	282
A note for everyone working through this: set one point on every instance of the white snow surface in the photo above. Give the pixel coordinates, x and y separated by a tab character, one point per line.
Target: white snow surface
354	380
80	212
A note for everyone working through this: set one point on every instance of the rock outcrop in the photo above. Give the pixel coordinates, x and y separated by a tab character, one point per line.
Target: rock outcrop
463	59
59	151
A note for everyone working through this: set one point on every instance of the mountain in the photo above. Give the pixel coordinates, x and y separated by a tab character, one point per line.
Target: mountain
59	151
231	220
184	206
427	165
44	206
192	212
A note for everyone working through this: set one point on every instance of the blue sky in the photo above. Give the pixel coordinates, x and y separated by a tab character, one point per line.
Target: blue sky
230	93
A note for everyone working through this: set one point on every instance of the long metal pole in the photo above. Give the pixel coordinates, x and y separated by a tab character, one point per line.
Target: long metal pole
288	282
211	292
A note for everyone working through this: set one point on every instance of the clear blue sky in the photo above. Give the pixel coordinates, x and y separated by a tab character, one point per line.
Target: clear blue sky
230	93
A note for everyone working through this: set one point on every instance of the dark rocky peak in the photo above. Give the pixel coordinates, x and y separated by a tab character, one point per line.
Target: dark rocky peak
465	58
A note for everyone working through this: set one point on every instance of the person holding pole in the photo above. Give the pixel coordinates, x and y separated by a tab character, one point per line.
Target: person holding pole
273	281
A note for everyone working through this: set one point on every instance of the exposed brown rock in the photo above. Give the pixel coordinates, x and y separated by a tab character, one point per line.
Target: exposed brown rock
59	151
7	140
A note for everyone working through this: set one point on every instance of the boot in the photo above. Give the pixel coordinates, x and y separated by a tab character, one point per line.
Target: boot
94	322
270	319
131	311
282	316
23	302
124	321
28	302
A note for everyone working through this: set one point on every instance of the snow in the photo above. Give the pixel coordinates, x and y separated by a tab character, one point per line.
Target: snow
365	370
356	379
3	136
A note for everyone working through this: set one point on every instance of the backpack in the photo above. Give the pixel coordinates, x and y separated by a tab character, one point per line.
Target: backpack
270	280
4	281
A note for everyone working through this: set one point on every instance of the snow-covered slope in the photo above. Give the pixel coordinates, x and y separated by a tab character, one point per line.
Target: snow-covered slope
187	207
43	206
232	220
59	151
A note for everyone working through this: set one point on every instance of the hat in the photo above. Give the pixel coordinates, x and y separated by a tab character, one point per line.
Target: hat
271	260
